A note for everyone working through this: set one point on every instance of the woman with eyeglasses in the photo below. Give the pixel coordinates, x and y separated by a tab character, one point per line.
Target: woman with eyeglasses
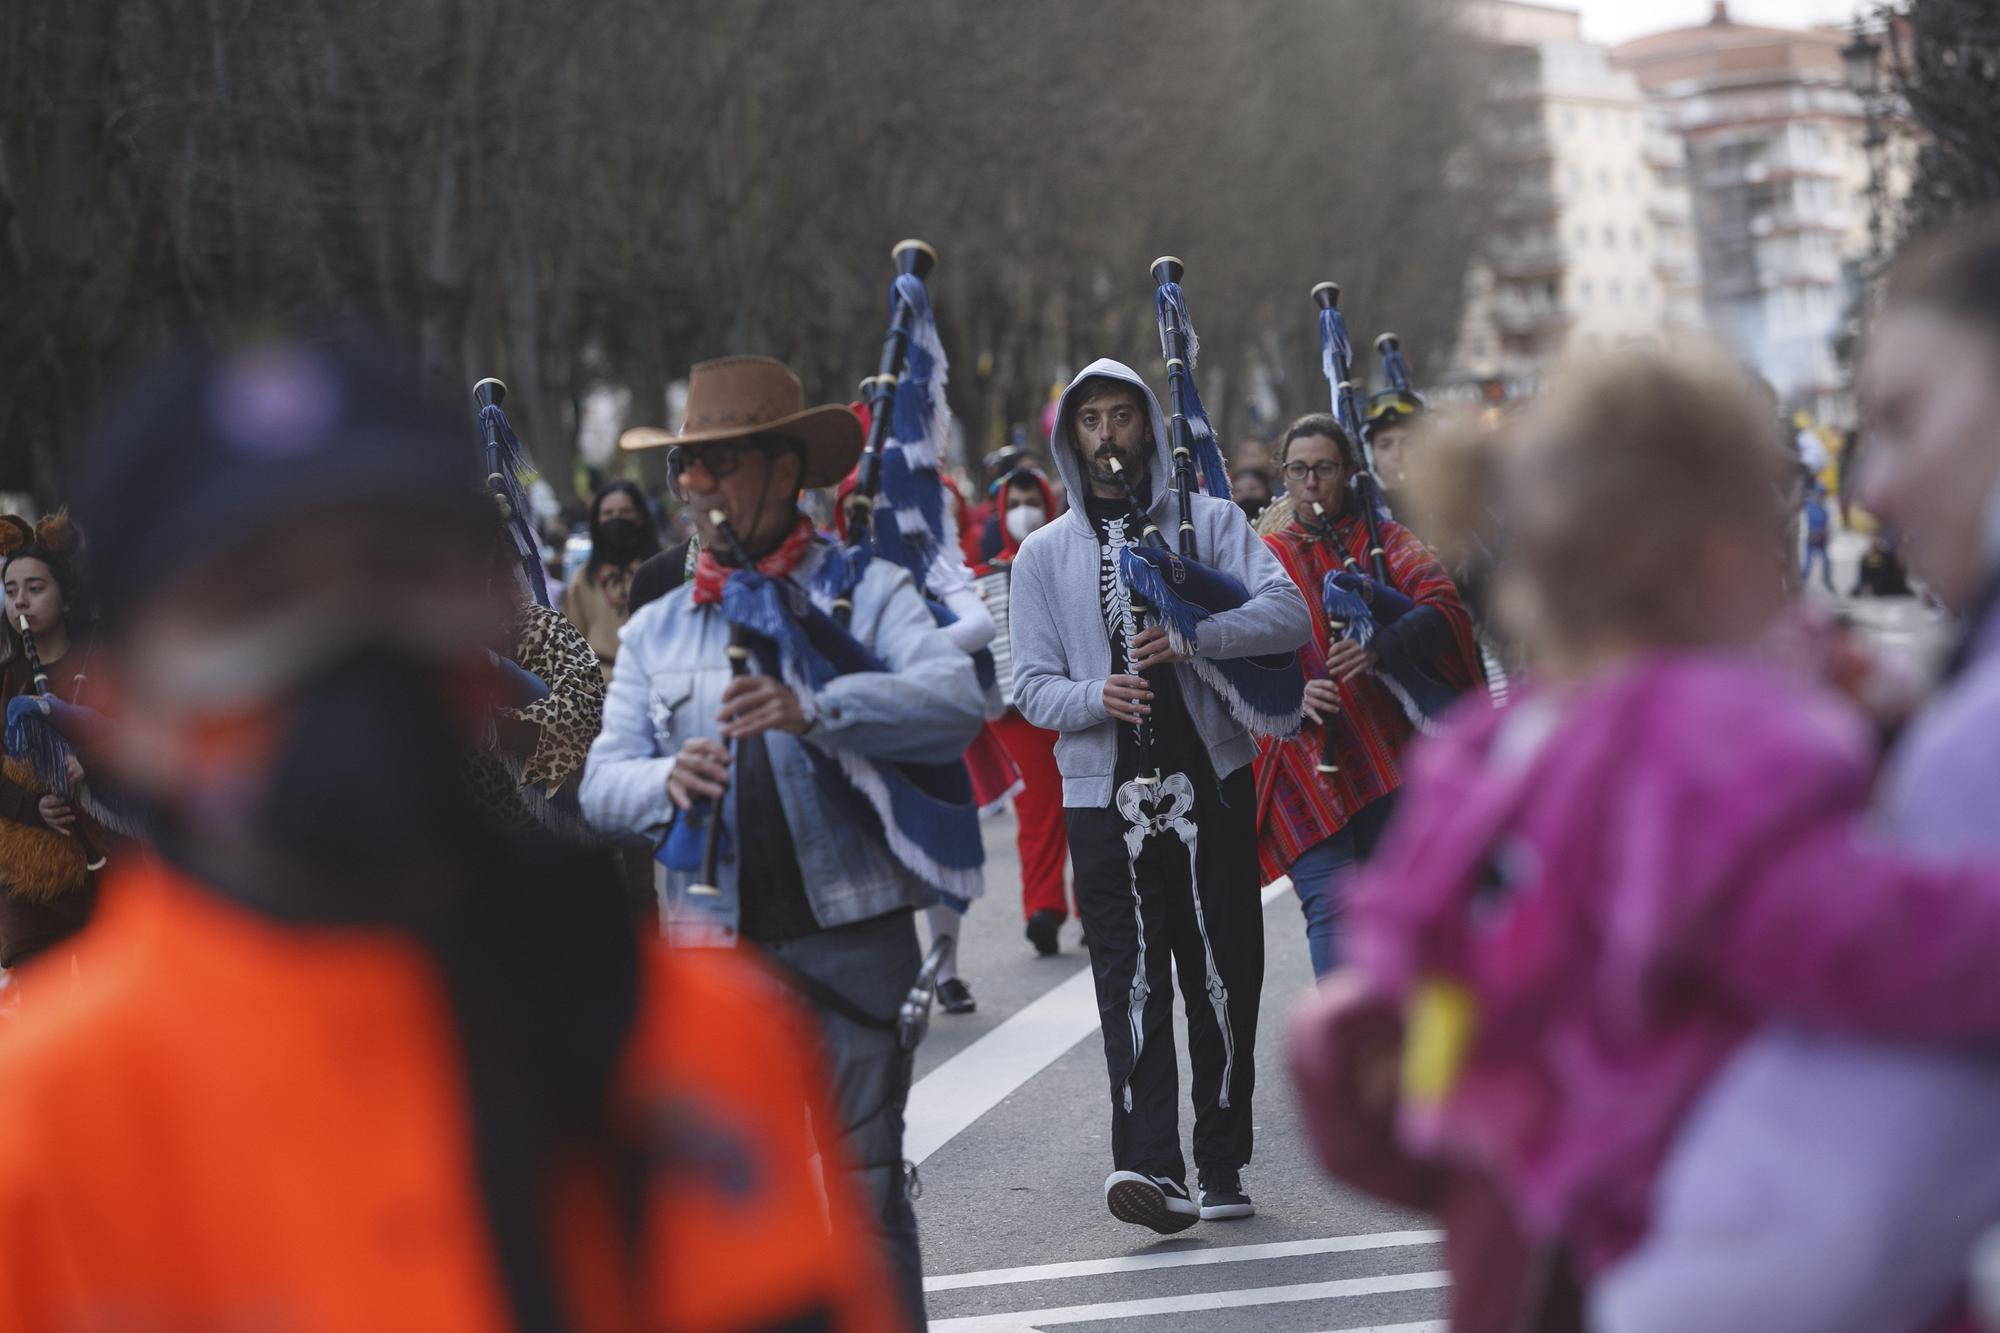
1312	824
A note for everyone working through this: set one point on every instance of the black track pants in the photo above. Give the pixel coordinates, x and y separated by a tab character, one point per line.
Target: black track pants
1142	919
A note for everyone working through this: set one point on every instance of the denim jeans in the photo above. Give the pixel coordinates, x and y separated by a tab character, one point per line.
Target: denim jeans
1321	870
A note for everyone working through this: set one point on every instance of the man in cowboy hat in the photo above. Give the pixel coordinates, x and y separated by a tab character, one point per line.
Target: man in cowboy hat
824	888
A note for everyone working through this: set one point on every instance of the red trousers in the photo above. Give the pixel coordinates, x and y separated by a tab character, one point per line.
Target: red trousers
1043	841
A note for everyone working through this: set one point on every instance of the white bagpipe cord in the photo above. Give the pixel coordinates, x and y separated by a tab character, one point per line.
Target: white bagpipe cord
1149	809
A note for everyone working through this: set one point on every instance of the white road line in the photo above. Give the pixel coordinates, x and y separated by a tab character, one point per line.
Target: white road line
1025	1321
946	1101
1135	1263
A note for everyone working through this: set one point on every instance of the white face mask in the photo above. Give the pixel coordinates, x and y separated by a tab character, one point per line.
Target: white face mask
1024	519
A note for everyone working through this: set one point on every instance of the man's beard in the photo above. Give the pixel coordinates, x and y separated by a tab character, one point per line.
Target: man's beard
1099	466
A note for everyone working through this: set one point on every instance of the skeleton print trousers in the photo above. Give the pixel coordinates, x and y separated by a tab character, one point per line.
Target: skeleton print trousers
1187	901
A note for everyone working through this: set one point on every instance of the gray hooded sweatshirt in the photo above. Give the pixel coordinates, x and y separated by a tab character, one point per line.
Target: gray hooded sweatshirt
1062	650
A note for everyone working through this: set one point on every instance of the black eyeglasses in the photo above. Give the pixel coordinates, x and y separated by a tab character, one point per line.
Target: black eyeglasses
721	458
1324	471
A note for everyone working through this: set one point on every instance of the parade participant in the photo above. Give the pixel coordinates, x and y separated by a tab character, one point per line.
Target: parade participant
970	629
339	984
622	535
1026	504
1168	876
1323	796
1391	430
827	872
46	888
1575	970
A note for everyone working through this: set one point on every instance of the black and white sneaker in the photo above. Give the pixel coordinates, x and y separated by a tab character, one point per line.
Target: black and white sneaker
956	997
1223	1198
1150	1201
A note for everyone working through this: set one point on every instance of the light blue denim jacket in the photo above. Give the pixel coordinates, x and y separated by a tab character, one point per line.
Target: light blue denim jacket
667	689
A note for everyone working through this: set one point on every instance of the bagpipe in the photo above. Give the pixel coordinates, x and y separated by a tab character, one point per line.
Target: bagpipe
1169	584
899	460
44	732
1355	604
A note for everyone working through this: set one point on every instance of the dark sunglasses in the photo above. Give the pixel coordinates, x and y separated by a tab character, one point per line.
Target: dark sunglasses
721	458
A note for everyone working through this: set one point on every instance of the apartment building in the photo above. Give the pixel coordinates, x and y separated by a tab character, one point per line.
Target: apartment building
1593	243
1775	156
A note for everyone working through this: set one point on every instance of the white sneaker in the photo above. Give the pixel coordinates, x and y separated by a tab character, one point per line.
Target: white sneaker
1150	1201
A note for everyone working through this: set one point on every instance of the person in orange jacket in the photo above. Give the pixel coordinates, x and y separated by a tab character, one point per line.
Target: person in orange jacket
343	1056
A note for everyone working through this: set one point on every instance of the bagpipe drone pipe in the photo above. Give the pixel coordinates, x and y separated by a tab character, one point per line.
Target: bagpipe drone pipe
924	811
506	460
1171	584
1350	599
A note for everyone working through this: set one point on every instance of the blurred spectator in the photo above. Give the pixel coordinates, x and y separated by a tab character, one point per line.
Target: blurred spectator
1819	537
1592	815
1250	487
1881	573
340	984
622	534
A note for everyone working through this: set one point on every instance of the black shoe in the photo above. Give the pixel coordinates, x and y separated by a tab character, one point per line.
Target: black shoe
955	997
1150	1201
1045	931
1223	1199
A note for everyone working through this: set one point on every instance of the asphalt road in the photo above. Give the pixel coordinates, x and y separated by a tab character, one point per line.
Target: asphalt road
1010	1123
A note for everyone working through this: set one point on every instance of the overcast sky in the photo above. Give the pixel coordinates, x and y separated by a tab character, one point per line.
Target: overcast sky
1612	21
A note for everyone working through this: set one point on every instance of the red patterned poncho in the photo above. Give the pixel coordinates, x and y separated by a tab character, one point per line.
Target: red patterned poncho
1298	806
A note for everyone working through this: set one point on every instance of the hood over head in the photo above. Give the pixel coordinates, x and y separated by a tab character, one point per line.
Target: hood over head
1062	449
1010	545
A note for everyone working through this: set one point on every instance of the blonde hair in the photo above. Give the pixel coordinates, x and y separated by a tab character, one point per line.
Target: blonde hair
1594	496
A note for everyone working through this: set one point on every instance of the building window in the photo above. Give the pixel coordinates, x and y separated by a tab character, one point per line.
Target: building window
1631	182
1604	180
1643	293
1582	236
1584	291
1615	290
1572	178
1569	119
1638	238
1597	122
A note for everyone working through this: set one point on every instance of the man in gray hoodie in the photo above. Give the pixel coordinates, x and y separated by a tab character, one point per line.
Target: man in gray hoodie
1166	866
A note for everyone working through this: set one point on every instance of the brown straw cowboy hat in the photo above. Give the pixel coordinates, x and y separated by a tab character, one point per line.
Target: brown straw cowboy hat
738	397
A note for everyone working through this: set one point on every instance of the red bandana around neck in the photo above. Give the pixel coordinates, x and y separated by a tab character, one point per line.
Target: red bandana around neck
710	573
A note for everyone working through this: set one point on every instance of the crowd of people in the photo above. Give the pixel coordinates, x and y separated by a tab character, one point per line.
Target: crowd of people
480	946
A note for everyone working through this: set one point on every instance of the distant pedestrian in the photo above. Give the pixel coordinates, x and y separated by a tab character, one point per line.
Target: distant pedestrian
1819	536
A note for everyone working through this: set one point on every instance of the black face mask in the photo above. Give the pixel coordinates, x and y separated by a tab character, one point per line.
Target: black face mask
620	541
370	778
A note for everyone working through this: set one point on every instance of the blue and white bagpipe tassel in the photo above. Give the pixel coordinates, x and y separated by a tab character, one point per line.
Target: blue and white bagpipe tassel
1170	304
925	811
43	732
506	461
1265	693
924	537
1360	605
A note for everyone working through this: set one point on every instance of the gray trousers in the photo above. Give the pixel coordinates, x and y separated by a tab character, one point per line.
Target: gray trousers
873	964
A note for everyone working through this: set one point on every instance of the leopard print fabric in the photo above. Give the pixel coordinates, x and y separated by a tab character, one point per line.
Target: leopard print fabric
514	789
570	718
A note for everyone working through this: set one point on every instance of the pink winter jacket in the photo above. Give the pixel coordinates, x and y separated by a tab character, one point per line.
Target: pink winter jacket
1680	858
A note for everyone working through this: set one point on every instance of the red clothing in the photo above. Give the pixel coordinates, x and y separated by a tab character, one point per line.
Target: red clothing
231	1123
1042	837
1297	805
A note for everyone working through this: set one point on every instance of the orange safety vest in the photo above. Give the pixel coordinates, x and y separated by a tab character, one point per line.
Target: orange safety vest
228	1123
